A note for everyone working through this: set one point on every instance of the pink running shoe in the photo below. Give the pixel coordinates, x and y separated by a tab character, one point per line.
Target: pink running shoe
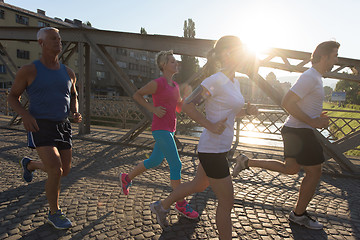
125	182
185	209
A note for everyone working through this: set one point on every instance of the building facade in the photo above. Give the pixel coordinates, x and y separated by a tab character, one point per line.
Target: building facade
140	66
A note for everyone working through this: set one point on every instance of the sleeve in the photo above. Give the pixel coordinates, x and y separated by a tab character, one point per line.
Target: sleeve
303	86
211	84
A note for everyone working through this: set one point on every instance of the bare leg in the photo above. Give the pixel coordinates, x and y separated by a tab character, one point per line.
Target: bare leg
139	169
198	184
52	166
290	166
308	187
66	157
35	164
224	192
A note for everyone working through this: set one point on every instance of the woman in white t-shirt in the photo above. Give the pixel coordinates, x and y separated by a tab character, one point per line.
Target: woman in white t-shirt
223	103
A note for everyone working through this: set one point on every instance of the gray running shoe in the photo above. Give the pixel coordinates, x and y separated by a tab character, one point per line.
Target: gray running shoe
161	213
241	164
305	220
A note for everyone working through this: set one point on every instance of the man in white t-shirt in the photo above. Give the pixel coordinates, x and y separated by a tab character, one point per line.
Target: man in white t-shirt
304	102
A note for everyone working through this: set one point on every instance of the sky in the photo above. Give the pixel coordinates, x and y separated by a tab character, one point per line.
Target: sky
290	24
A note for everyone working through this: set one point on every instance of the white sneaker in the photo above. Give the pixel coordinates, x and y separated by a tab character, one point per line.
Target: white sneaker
241	164
305	220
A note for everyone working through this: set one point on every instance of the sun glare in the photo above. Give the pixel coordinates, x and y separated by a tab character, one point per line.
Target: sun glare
262	27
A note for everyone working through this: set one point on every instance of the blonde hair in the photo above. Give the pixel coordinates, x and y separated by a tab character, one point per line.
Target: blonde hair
42	32
162	58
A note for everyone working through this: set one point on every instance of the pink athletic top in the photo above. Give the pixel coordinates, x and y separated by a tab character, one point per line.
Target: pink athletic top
167	97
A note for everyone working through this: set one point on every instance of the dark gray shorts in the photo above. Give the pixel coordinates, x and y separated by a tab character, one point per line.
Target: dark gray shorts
215	164
51	133
303	145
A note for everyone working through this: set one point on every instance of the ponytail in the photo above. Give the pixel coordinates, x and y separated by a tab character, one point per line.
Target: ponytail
212	64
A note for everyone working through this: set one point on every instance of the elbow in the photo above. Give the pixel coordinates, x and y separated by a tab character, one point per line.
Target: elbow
135	95
185	107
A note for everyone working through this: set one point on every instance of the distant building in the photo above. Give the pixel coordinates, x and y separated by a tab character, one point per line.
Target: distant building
140	66
24	52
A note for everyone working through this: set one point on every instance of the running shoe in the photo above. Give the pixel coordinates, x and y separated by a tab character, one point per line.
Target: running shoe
125	183
241	164
161	213
305	220
59	220
27	174
185	209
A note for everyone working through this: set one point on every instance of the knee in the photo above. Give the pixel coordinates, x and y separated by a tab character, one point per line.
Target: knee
291	170
55	171
200	187
65	172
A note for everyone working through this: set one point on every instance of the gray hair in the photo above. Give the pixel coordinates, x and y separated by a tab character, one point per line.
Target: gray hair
162	58
42	32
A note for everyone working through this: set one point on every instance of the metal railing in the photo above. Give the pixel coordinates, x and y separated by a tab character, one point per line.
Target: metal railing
122	112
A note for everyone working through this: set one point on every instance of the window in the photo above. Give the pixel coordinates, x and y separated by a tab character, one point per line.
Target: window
100	74
133	66
22	54
121	64
21	19
43	24
132	54
121	51
99	61
2	68
2	14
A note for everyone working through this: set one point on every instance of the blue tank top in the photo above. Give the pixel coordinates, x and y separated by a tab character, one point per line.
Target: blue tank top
49	93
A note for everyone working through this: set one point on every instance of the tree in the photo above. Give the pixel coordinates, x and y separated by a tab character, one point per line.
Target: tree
88	23
271	77
143	31
189	65
352	90
328	91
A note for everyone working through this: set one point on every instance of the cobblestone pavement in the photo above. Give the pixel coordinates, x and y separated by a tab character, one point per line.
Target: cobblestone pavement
90	196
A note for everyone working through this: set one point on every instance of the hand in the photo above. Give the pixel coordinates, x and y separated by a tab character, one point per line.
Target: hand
159	111
30	123
321	122
218	127
251	109
77	117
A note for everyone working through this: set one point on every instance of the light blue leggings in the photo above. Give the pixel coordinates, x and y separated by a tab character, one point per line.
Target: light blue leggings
165	146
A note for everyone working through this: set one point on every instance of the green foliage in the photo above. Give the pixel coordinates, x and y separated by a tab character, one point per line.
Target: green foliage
328	91
341	124
189	64
352	90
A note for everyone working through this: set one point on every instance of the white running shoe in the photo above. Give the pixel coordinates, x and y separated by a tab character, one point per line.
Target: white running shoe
241	164
305	220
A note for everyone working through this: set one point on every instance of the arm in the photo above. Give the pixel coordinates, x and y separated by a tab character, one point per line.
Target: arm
249	110
199	95
289	102
186	90
23	78
74	103
148	89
